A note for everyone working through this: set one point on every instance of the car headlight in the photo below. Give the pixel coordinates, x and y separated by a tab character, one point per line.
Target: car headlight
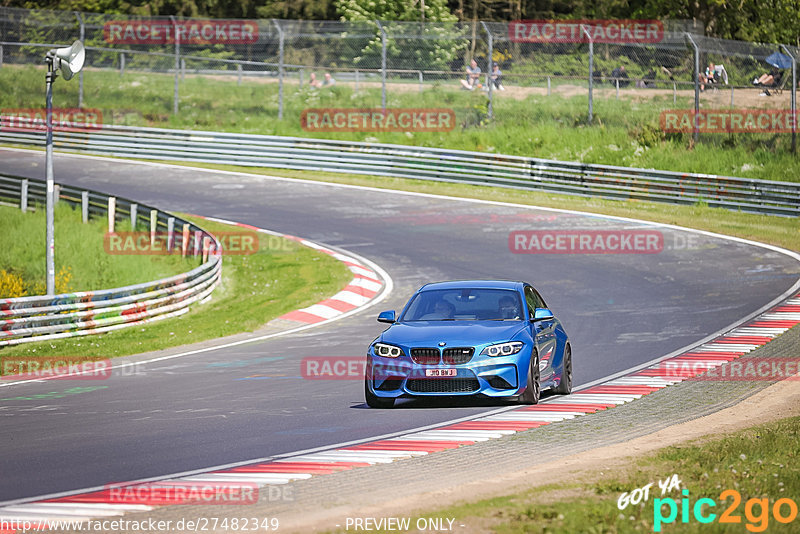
503	349
387	351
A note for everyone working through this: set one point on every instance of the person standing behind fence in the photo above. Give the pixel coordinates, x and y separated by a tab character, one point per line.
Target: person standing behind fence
473	76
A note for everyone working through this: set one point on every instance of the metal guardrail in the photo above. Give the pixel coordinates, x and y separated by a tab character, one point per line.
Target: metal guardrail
39	318
421	163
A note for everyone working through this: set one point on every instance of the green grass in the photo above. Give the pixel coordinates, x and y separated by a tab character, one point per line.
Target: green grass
760	463
625	132
78	249
254	289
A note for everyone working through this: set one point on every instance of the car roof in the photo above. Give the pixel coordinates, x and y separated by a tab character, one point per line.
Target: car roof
474	284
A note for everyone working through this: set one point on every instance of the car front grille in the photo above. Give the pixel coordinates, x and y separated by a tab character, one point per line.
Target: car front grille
425	356
457	355
442	385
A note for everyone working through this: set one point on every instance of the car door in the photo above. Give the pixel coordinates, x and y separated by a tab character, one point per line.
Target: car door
544	332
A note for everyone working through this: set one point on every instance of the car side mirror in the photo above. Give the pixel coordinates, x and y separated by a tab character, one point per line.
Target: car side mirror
386	316
542	314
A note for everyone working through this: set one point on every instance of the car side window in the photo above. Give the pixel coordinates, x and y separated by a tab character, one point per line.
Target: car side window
542	303
530	299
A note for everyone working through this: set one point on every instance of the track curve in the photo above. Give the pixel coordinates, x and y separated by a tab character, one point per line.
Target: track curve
249	401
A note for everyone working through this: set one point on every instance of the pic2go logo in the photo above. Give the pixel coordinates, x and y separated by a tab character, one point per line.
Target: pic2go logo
783	510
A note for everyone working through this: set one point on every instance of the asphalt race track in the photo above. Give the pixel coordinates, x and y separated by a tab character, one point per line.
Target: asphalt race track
249	401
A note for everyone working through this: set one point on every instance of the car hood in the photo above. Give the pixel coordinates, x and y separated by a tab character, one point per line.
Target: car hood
455	334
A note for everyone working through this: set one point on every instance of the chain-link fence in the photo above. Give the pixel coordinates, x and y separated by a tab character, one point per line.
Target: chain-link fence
380	64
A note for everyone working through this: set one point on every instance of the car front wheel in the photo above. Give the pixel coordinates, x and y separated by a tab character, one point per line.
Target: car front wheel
373	401
565	386
532	389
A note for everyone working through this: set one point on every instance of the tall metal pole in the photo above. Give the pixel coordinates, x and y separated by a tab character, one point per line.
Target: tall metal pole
280	69
175	96
696	122
490	70
80	74
50	244
794	98
383	65
591	71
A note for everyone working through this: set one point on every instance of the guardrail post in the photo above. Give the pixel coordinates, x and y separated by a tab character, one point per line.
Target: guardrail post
175	96
280	68
196	246
85	206
23	196
206	242
121	64
112	213
696	122
383	65
56	193
134	215
170	230
80	74
153	226
239	74
591	73
185	240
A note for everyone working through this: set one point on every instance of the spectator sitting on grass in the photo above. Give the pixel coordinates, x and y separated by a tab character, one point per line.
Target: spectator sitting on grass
313	82
497	77
329	81
473	76
648	80
619	76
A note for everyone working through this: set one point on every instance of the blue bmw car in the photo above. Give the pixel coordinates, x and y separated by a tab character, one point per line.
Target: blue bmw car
488	338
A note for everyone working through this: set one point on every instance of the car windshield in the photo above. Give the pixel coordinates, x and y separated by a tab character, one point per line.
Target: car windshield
465	304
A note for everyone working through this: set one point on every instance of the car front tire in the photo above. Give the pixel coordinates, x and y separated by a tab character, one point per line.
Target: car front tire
373	401
565	386
532	388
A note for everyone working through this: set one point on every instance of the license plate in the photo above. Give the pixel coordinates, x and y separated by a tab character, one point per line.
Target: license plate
441	372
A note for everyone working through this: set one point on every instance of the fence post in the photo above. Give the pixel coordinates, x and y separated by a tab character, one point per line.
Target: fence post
696	121
356	80
731	96
1	56
112	213
591	71
383	65
153	226
420	80
183	69
302	75
280	68
616	82
185	240
794	98
170	231
23	196
548	86
490	109
134	215
674	93
80	74
239	73
85	206
121	64
177	63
